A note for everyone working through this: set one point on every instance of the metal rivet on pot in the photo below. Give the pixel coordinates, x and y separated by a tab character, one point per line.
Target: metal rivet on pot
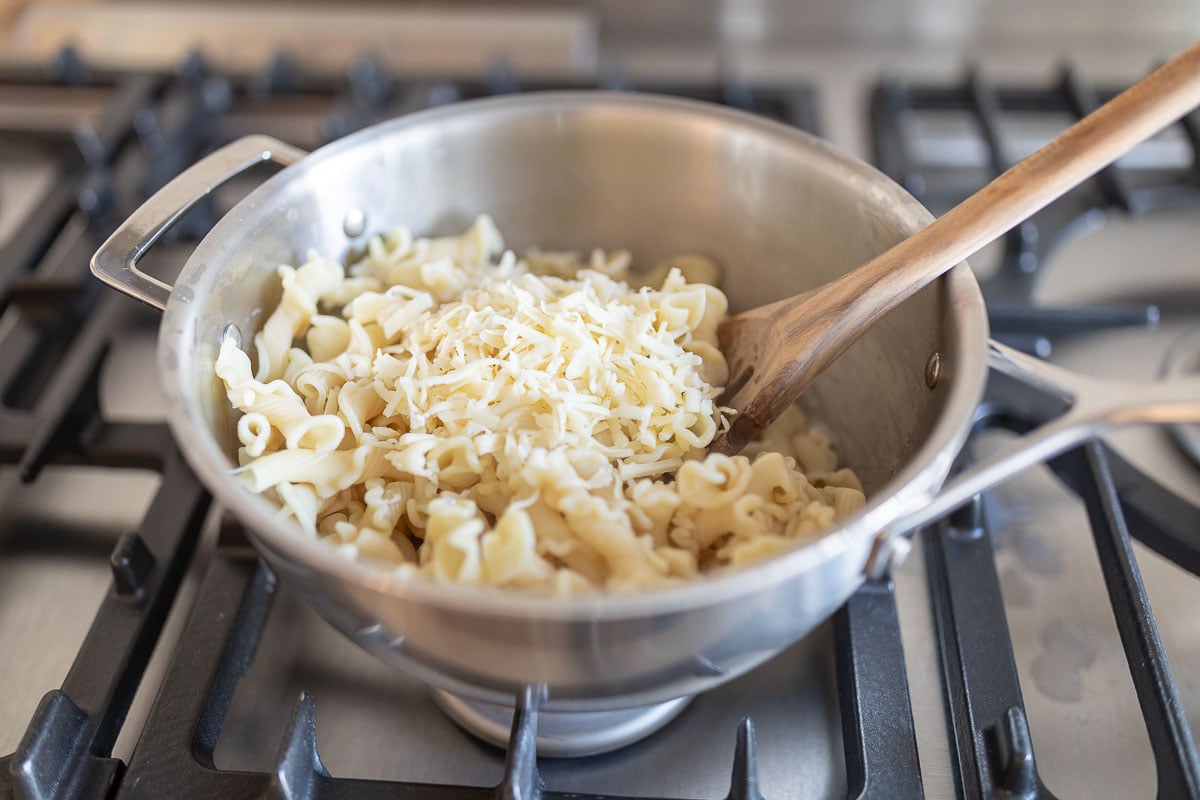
933	369
354	223
231	334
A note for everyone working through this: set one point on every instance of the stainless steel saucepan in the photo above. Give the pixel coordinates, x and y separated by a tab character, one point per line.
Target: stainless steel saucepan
780	210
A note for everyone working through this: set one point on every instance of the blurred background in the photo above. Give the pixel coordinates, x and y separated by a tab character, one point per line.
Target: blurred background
850	43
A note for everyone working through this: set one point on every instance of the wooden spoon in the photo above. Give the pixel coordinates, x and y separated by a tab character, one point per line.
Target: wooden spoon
775	351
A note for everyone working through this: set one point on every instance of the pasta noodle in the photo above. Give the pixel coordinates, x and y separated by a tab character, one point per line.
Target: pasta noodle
539	423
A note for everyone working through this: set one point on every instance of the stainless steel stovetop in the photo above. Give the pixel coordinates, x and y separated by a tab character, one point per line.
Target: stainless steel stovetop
375	723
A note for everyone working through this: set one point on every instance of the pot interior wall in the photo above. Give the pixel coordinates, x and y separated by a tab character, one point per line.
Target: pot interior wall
773	208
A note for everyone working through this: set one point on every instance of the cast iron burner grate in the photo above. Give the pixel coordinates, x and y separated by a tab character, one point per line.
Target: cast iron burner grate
57	328
175	754
992	747
991	117
56	333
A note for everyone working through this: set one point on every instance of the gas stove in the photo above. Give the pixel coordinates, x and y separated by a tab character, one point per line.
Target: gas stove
147	652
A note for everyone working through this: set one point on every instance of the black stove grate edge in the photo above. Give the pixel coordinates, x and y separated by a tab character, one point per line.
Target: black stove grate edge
175	752
66	751
992	746
56	336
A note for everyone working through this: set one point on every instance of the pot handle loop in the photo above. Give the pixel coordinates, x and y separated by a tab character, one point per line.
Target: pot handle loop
116	262
1078	408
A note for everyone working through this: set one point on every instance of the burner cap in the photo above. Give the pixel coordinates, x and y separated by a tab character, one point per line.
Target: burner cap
562	734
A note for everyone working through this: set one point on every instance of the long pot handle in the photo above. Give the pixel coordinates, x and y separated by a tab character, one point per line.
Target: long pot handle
116	262
1090	407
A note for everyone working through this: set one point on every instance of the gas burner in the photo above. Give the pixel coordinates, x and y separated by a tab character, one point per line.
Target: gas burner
566	733
1184	359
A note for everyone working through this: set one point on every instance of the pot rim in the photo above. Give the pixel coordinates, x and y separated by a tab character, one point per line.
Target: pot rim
919	479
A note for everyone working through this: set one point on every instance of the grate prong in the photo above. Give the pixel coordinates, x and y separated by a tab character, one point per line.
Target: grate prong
132	565
744	783
298	770
1016	773
522	781
53	759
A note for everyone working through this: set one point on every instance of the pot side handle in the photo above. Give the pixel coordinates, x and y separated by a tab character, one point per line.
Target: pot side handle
1083	408
116	262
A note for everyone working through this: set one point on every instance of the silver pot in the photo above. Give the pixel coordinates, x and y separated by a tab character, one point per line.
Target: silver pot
782	211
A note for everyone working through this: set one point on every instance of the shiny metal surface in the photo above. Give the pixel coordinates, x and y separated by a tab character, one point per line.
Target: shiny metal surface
783	211
1092	407
116	262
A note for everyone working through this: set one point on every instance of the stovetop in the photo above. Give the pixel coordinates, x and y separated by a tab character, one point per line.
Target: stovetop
997	661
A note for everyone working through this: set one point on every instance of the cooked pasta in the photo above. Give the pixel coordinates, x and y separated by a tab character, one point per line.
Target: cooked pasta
457	412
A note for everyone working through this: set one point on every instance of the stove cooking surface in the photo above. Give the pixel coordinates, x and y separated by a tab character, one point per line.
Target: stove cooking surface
378	724
1078	687
111	561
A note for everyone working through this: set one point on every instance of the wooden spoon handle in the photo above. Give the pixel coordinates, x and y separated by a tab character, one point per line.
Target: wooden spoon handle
859	298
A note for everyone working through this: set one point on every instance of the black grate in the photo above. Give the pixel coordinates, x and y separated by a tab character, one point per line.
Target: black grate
992	745
175	753
978	122
56	327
